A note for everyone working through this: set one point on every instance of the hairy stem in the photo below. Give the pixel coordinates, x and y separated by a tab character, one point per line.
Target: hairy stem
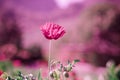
49	59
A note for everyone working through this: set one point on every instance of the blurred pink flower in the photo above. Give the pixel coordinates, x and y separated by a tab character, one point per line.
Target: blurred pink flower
2	79
52	31
17	63
1	72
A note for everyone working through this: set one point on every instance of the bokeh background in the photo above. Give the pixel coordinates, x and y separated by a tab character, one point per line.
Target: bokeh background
92	34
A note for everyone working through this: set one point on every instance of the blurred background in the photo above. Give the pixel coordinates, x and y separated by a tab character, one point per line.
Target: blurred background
92	35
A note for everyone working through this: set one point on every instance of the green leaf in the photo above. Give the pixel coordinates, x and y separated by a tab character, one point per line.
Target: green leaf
9	78
76	60
39	76
17	73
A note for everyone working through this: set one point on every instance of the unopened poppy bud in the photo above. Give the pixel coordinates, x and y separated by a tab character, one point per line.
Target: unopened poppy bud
110	63
66	74
51	74
30	75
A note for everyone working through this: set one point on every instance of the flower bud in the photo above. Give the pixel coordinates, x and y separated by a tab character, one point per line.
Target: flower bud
110	63
66	74
30	75
51	74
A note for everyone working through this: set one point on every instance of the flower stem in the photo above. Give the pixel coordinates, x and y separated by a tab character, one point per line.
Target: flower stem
49	59
63	78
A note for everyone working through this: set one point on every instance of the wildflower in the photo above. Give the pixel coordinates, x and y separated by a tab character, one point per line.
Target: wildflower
52	31
2	79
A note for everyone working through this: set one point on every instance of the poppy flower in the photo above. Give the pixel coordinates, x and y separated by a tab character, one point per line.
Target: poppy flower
52	31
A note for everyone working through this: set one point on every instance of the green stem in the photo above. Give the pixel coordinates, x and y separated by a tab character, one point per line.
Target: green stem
63	78
49	59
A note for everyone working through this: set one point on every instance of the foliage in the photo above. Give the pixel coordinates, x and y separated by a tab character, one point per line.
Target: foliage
5	65
111	71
